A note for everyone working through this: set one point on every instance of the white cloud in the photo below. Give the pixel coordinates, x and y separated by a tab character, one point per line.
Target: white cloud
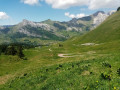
75	16
92	4
63	4
96	4
3	15
30	2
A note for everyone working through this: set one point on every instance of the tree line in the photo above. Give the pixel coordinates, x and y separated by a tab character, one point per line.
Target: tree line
118	9
12	50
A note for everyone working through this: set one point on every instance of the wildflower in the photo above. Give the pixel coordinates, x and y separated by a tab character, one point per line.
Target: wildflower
114	88
97	81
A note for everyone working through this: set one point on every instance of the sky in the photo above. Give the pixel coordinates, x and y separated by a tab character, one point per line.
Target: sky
14	11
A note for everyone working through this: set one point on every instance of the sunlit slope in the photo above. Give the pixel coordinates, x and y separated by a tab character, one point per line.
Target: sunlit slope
83	67
108	31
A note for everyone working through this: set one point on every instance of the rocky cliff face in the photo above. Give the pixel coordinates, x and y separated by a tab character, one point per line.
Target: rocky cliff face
81	24
34	24
88	22
98	18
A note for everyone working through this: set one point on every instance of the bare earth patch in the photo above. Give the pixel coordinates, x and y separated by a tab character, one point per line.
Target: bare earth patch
4	79
64	55
76	54
89	44
86	73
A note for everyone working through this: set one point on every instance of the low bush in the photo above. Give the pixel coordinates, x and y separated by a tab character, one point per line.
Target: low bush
106	64
106	76
118	71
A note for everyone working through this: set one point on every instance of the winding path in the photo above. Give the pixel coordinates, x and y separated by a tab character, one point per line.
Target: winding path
64	55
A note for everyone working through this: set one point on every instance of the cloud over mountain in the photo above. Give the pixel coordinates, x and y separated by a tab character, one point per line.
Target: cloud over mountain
64	4
91	4
75	16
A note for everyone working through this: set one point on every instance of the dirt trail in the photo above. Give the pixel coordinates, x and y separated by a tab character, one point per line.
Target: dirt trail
64	55
78	54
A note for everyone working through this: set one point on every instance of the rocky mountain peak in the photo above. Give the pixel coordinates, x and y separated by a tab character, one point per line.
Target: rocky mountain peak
98	12
26	22
99	17
33	24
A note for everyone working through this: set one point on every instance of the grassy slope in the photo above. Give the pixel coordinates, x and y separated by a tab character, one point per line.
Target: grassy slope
109	30
44	70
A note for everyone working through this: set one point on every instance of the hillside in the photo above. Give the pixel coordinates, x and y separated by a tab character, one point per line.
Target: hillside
108	31
46	31
72	64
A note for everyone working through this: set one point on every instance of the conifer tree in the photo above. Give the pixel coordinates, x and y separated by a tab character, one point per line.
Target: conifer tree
20	52
118	9
11	50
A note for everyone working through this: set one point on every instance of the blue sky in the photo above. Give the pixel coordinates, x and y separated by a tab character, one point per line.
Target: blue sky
14	11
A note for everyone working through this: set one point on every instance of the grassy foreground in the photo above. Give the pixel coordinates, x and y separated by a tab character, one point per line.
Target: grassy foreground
90	68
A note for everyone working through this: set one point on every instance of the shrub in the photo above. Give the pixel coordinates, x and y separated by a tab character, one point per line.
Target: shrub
11	50
20	52
25	74
72	66
60	45
118	71
60	65
57	68
118	9
106	76
106	64
25	58
46	70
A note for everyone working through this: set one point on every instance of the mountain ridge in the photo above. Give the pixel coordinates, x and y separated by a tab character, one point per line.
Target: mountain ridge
108	31
52	30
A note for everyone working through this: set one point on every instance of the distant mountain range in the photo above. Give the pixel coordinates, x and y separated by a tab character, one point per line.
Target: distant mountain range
28	31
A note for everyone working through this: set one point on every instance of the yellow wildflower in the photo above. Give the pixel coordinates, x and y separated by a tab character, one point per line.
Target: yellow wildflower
114	88
97	81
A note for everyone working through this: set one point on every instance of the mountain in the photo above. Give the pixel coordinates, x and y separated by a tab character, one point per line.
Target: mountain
88	62
81	24
108	31
88	22
51	30
98	18
28	31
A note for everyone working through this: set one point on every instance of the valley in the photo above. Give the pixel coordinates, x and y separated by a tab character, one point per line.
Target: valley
84	62
48	31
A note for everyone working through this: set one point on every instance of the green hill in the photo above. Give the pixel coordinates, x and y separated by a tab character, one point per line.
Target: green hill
71	65
108	31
